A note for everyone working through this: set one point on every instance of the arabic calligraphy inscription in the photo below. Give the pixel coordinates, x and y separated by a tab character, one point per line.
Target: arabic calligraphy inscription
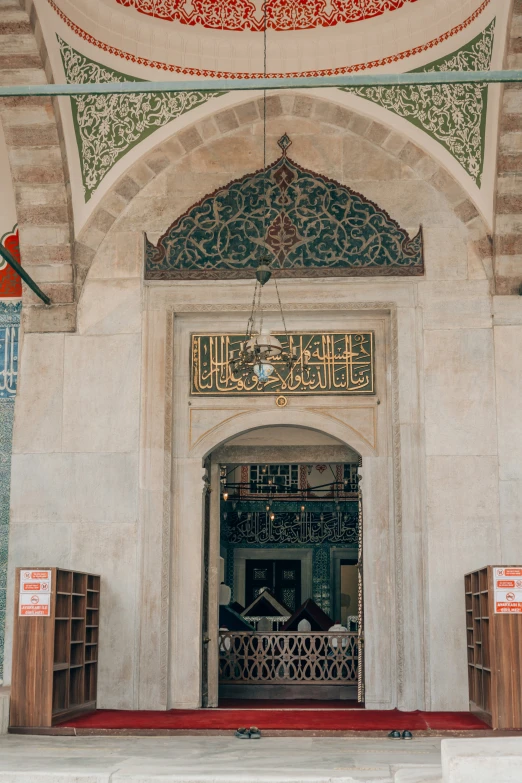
328	363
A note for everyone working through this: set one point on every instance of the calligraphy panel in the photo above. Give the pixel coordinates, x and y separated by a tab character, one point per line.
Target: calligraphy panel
327	363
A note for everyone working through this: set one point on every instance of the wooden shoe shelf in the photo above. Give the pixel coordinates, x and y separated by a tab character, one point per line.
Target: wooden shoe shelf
55	658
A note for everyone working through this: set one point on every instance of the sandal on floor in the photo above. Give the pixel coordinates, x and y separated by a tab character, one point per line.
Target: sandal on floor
255	733
242	734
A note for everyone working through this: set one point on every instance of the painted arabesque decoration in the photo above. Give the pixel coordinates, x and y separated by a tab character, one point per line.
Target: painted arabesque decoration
281	15
453	115
306	224
108	126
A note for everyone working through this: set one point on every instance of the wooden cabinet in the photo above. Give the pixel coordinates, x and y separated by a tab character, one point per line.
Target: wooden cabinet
55	657
494	645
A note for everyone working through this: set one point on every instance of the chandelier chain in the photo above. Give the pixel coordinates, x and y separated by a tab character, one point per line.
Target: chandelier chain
265	189
282	313
250	324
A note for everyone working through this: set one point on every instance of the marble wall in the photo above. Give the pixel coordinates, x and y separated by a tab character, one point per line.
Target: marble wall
108	445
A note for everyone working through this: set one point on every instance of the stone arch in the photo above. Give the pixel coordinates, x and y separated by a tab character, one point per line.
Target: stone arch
316	420
508	204
36	151
282	111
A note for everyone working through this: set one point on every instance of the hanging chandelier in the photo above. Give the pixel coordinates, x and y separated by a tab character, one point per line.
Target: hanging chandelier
258	352
260	349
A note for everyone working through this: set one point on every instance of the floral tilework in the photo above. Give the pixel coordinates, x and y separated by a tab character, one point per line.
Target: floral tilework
269	212
321	578
108	126
453	115
9	327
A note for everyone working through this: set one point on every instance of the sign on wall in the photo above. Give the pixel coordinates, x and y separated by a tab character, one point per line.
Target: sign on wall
35	593
328	363
508	590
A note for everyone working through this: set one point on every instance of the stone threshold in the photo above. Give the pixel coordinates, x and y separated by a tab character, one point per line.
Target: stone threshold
70	731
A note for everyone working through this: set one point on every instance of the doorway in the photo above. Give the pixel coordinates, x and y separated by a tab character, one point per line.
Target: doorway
289	604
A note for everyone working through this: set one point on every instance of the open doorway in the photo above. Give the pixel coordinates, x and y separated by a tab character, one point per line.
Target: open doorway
290	604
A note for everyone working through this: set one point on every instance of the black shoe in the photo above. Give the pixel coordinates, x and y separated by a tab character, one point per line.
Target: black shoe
407	735
394	734
242	734
254	733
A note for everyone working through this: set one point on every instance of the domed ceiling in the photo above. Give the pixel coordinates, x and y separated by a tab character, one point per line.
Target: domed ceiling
274	14
224	38
154	40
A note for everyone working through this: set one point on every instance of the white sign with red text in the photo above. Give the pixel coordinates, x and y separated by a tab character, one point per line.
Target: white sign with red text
507	586
35	592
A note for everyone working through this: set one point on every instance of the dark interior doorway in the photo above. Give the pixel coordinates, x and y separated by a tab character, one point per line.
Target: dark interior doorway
282	577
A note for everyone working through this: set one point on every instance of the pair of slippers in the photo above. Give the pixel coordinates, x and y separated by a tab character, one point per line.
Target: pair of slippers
407	735
251	733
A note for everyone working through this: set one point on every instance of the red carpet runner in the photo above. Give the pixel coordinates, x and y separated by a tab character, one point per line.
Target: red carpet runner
322	719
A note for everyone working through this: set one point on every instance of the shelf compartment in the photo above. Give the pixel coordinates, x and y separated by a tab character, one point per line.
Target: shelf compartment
63	605
91	653
63	581
77	654
76	692
93	582
61	641
79	583
93	600
77	630
92	617
60	690
91	676
91	635
78	606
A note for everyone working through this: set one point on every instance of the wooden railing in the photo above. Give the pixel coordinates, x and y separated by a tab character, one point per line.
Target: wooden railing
284	658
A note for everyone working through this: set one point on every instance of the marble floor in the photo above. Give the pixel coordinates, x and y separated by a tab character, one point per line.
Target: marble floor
180	759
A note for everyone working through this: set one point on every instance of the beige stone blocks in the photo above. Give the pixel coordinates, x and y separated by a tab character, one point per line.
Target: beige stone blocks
110	307
101	393
57	318
459	391
39	401
463	534
509	399
456	305
74	487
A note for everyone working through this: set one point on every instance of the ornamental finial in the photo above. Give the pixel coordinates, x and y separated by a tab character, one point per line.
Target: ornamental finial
284	142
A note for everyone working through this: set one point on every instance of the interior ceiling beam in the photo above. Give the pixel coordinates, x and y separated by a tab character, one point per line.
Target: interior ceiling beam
299	455
230	85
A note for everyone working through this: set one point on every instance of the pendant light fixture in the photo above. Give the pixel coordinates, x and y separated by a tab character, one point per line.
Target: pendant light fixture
258	352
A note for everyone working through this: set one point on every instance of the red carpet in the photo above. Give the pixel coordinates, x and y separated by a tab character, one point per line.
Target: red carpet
289	704
301	720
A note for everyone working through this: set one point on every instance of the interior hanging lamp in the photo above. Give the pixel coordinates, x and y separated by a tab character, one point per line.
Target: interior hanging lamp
261	348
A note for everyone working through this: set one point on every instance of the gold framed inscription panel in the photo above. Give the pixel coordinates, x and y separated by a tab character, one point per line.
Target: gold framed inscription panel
327	363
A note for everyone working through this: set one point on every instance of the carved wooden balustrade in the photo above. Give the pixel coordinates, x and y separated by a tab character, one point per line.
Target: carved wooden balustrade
283	658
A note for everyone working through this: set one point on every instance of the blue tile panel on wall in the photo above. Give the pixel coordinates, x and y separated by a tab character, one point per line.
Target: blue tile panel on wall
9	331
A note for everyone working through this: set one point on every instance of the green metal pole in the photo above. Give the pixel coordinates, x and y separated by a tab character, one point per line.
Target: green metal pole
231	85
23	274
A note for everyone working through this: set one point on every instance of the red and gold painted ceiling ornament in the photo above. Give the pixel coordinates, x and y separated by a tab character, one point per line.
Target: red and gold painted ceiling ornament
281	15
217	74
10	282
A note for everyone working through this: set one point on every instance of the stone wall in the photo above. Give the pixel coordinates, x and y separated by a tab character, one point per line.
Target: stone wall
39	171
91	462
508	244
